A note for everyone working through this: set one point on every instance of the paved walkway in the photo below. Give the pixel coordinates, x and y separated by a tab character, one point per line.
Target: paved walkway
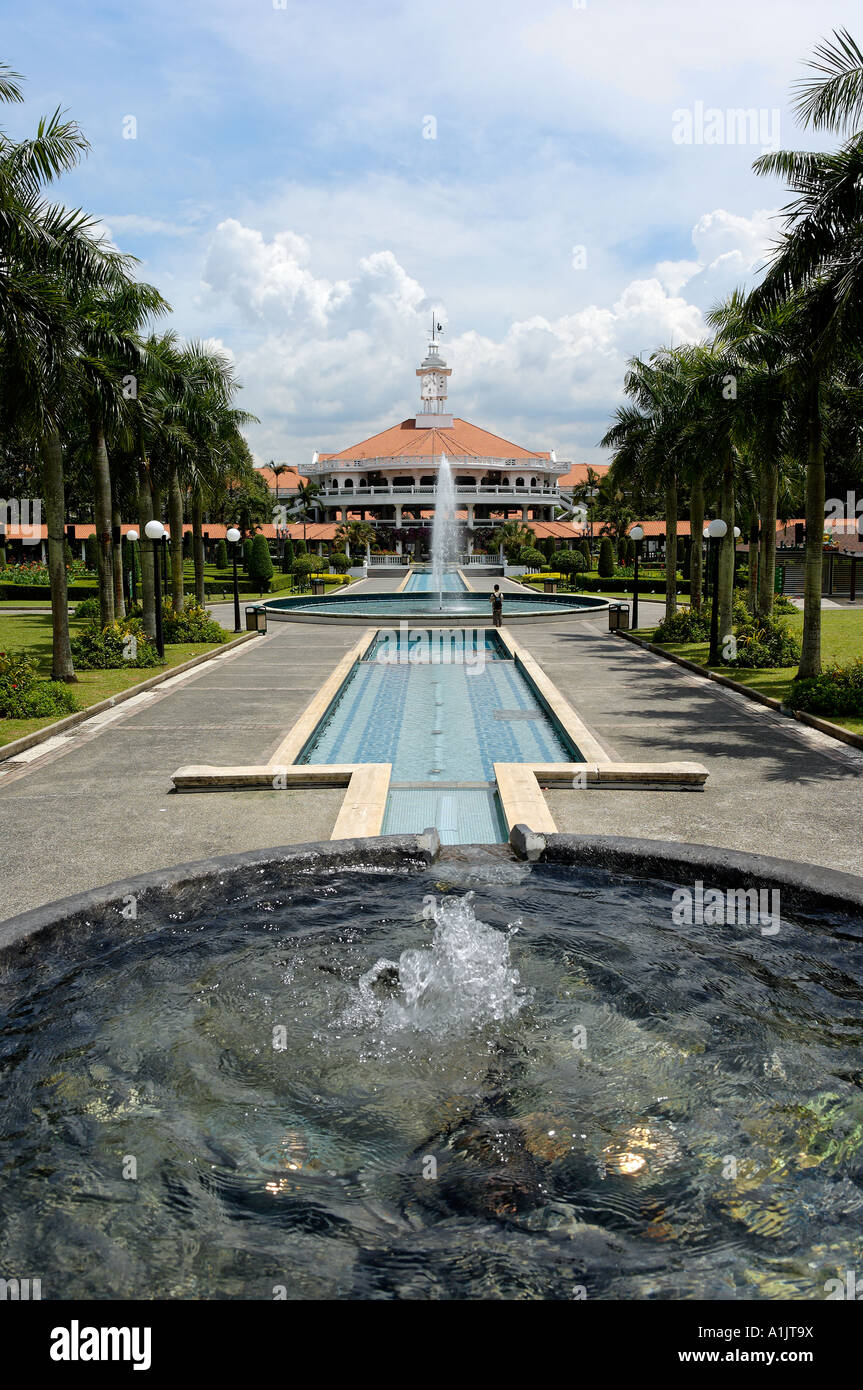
97	805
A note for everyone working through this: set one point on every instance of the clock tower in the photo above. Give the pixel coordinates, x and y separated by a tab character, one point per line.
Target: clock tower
433	373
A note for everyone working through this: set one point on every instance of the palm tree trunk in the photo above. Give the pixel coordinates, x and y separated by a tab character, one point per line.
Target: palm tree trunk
145	550
810	660
62	668
725	586
119	597
696	555
175	510
671	546
198	544
753	567
102	512
768	506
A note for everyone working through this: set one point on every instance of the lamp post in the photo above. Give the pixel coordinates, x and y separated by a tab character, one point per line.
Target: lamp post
131	537
716	530
637	534
155	532
706	535
233	535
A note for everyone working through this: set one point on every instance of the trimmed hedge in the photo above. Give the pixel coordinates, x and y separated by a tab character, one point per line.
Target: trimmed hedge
82	589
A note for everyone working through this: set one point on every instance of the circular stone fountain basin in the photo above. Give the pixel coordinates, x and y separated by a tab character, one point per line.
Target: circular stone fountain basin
335	1073
476	608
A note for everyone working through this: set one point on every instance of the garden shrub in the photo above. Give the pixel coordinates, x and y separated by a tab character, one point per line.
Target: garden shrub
339	562
221	555
570	561
109	648
606	558
87	609
191	624
683	626
304	565
260	561
837	691
24	695
288	556
764	643
531	557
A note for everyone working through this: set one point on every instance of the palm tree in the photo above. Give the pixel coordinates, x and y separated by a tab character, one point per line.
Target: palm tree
112	355
512	537
817	271
355	535
304	502
43	249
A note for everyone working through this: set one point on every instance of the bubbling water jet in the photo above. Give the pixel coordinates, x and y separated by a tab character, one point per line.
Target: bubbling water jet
465	978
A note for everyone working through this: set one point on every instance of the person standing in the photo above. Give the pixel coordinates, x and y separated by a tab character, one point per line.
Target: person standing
496	605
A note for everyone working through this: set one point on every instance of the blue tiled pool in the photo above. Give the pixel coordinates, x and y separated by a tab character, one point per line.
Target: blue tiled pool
442	726
420	583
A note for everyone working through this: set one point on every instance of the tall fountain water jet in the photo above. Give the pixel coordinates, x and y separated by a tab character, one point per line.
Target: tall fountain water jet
445	526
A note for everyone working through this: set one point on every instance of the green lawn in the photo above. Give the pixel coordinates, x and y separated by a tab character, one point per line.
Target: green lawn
32	633
841	641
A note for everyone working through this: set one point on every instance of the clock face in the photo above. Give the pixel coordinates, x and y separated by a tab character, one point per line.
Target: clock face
433	385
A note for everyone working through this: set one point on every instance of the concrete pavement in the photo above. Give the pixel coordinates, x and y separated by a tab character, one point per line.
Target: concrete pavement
99	807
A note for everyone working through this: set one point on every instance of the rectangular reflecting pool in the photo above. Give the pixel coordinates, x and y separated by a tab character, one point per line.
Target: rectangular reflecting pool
442	724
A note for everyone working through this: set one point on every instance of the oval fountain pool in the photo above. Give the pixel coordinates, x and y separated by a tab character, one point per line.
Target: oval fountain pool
358	1076
424	605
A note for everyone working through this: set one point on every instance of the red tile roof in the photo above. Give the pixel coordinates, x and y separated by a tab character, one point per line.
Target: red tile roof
290	479
578	473
407	440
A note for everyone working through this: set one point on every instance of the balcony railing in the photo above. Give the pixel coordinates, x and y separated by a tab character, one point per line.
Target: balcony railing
427	490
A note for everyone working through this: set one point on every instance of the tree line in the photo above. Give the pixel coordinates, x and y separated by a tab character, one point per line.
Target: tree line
88	385
775	394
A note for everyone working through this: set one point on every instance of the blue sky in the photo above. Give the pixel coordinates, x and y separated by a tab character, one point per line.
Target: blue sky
283	194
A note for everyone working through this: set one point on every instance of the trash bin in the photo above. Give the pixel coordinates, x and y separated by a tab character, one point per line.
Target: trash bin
549	586
618	616
256	620
318	587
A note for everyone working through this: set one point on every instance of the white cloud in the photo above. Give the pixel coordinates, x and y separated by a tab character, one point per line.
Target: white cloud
326	363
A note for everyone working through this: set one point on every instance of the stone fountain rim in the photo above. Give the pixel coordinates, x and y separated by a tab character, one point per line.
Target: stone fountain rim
805	888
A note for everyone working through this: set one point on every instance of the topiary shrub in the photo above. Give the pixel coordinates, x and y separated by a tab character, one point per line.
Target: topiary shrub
584	547
260	562
192	623
606	558
530	556
91	552
221	555
123	643
683	626
570	561
837	691
764	643
339	562
24	695
304	565
288	556
247	553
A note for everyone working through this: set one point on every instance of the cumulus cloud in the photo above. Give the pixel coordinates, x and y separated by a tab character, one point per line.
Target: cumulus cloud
730	248
328	362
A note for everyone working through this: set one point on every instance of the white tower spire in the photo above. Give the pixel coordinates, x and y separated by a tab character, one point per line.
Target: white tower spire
433	372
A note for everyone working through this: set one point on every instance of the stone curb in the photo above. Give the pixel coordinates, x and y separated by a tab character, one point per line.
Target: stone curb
20	745
804	887
182	889
812	720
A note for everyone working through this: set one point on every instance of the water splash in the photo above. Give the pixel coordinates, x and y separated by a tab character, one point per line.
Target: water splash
445	526
464	978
